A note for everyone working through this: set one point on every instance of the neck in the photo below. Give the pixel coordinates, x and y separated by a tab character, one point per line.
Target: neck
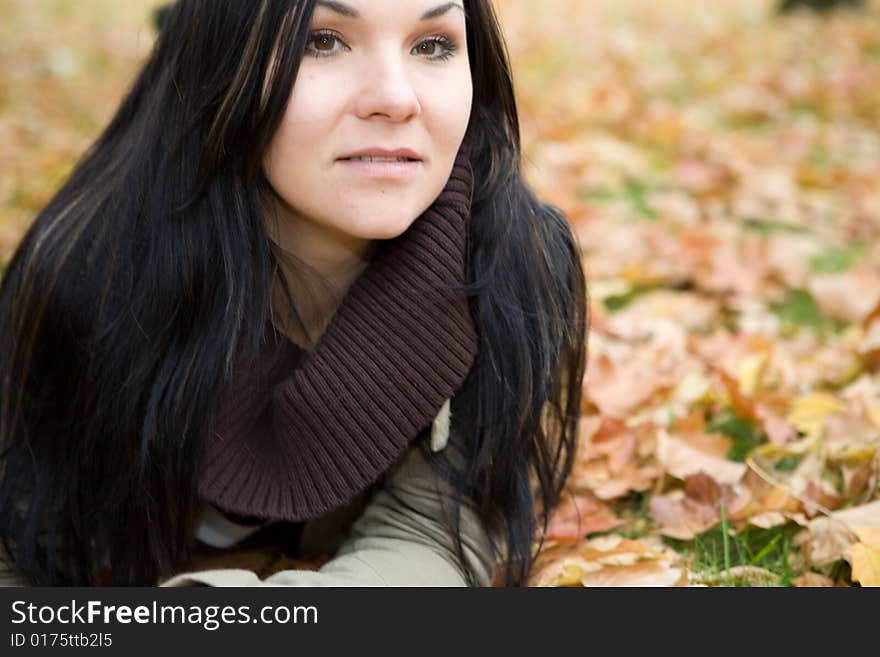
319	266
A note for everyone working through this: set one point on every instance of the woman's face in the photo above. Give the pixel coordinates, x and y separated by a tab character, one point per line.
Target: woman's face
381	78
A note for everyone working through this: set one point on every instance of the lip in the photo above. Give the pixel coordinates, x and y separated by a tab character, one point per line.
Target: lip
376	151
382	169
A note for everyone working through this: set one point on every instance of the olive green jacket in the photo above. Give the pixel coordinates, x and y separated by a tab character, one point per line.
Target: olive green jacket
399	538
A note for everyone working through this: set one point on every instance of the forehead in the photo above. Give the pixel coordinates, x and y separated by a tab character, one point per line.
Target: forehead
419	9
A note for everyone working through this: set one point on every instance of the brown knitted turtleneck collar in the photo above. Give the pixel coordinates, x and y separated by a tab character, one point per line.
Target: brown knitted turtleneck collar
300	433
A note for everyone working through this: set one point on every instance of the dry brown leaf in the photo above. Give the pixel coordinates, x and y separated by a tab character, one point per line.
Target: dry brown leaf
641	574
634	479
824	540
764	408
615	460
828	538
613	440
849	296
863	396
606	561
666	311
756	497
565	572
768	519
684	513
579	515
864	515
700	176
686	454
734	266
682	517
779	432
812	580
789	257
618	389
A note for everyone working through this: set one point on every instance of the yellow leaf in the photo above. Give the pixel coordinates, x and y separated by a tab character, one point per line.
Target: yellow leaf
868	535
854	454
749	372
874	413
810	413
865	562
693	388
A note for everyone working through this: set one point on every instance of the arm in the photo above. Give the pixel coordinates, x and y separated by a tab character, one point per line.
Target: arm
395	542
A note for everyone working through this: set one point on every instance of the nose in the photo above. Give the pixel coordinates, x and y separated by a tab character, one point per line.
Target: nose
387	89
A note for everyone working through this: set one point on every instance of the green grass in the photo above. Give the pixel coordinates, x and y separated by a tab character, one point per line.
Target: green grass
769	226
837	259
713	553
799	309
821	157
634	510
811	108
636	194
718	550
596	194
745	435
789	463
620	301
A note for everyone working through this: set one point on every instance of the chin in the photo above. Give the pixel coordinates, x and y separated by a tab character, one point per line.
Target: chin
387	227
390	232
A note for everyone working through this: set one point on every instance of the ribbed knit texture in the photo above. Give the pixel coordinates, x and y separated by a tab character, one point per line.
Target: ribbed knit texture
298	434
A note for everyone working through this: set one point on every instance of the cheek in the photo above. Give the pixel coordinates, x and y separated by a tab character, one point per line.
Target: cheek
448	109
311	109
307	121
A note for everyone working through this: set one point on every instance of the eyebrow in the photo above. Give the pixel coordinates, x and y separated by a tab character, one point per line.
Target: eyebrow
351	12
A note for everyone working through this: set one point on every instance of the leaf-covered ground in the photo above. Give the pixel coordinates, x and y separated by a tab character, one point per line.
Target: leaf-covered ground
64	65
721	168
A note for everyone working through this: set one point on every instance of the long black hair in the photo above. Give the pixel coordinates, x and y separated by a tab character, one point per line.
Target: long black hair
126	301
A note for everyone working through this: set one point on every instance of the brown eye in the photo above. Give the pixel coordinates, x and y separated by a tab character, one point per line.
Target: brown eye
436	48
324	44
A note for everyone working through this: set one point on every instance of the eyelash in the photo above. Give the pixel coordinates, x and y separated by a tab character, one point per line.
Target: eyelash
440	39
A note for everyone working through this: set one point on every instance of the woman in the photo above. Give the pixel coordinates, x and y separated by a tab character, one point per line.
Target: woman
298	278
